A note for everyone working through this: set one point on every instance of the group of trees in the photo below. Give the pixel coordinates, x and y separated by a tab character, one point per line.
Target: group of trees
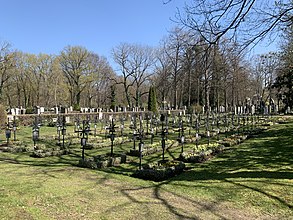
73	78
201	62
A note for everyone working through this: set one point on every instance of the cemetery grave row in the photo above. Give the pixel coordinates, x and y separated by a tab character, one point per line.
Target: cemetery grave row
154	146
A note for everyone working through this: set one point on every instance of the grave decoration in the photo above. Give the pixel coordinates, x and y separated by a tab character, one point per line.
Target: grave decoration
77	125
36	130
151	130
134	133
137	135
201	153
122	120
95	125
84	135
218	127
159	171
59	127
141	144
180	130
102	161
208	128
197	126
63	130
14	127
8	132
164	132
111	135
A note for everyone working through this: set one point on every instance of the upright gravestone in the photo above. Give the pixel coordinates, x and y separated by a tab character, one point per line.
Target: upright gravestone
62	110
56	110
37	110
42	110
276	108
253	109
17	111
266	110
12	111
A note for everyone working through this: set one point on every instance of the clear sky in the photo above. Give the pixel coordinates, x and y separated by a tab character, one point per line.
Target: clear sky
47	26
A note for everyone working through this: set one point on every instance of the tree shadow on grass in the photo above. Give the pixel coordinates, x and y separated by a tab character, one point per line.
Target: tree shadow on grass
269	158
262	161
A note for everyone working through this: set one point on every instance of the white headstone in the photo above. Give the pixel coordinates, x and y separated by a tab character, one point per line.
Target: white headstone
253	109
17	111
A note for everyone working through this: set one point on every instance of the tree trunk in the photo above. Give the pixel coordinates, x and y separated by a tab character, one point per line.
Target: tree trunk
189	89
207	91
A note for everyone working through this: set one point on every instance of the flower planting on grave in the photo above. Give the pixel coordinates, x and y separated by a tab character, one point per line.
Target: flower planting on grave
159	171
102	161
233	140
153	148
41	151
201	153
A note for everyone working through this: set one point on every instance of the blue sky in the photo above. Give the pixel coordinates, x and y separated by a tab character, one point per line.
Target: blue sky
47	26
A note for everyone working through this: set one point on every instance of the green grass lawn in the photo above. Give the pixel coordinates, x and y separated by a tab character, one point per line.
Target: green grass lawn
253	180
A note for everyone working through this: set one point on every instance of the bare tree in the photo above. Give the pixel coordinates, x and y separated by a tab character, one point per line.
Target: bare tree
174	49
162	79
136	63
7	62
75	65
97	87
250	21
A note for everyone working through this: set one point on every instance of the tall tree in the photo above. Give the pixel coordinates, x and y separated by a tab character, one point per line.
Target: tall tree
136	63
152	100
284	80
75	65
7	62
113	97
174	49
250	21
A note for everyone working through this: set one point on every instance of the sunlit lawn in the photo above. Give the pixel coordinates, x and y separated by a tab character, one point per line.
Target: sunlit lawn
253	180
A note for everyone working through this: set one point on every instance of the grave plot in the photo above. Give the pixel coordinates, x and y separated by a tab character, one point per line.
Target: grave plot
142	145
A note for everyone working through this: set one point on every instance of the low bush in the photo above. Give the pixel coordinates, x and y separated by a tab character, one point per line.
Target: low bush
41	151
160	171
201	153
102	161
152	148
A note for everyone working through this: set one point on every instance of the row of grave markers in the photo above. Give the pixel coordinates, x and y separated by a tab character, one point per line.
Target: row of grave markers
244	109
154	124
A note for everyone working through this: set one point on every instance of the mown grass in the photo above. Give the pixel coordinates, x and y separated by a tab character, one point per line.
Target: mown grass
253	180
